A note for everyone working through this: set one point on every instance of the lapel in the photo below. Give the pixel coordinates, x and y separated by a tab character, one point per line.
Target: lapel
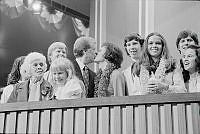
23	91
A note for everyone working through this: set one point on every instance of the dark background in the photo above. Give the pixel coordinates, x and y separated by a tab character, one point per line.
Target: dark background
24	34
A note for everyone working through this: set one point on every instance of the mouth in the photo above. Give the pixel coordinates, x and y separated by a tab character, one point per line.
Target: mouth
133	51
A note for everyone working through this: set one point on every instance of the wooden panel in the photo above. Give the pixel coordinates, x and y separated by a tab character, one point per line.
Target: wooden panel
140	120
192	118
127	120
22	122
153	119
45	121
104	117
196	117
80	121
33	122
115	120
166	119
56	121
2	122
179	119
11	122
91	121
68	121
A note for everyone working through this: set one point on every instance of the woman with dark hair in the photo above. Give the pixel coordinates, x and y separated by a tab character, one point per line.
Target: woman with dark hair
191	64
18	74
158	73
109	80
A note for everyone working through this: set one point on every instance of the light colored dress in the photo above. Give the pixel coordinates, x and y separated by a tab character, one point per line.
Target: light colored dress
193	85
73	89
132	82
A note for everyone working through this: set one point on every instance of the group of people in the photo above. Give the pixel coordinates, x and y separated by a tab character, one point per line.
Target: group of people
152	70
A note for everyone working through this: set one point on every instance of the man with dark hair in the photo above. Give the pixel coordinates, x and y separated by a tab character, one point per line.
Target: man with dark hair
133	45
186	38
84	52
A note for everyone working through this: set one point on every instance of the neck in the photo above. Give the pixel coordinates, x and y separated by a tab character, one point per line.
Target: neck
135	59
103	64
81	59
155	59
193	74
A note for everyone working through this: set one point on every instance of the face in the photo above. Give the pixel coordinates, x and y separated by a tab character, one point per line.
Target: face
188	58
38	67
133	48
184	43
58	52
100	55
89	55
59	77
155	46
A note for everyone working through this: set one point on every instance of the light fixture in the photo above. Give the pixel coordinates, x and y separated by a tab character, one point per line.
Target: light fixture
36	7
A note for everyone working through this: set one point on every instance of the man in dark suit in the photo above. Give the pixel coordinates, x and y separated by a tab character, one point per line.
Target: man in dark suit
84	52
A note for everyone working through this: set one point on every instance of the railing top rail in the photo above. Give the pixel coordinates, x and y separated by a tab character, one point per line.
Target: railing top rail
100	102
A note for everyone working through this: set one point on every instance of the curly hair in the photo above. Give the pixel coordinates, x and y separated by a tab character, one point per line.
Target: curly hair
186	75
133	36
14	75
113	54
187	33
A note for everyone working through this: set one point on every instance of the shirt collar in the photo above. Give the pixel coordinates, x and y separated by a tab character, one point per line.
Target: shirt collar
81	65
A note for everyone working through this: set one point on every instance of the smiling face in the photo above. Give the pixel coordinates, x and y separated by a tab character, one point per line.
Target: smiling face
133	48
154	46
37	68
188	58
59	77
58	52
184	43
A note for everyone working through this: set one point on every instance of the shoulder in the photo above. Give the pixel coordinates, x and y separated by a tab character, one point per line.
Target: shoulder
116	74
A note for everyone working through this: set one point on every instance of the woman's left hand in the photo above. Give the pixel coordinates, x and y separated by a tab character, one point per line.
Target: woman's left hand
156	87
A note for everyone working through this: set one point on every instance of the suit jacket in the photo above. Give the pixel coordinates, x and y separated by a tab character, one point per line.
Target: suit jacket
21	92
92	75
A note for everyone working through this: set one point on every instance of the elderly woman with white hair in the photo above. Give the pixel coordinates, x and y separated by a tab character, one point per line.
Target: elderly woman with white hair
55	50
36	88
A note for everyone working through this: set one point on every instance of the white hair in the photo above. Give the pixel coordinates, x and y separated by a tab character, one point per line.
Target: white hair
32	57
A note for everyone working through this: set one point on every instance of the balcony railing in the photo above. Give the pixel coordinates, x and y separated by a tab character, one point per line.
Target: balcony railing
150	114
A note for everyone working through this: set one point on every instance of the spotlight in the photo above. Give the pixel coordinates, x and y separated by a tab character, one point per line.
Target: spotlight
36	7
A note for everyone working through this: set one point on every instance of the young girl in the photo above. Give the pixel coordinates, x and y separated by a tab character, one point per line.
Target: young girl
66	84
158	73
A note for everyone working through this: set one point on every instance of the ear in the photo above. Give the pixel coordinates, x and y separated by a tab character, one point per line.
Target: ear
45	67
69	74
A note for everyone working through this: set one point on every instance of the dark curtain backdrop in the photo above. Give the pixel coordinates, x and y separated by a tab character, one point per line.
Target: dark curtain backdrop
24	34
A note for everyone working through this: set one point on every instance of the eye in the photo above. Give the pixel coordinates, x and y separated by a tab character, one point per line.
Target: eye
35	64
41	64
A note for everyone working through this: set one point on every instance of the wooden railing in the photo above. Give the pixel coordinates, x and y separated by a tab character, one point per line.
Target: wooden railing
150	114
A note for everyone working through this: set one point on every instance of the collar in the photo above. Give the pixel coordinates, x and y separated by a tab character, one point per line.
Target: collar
81	65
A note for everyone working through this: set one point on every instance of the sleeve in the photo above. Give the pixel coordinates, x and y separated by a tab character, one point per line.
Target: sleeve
178	85
73	90
6	93
118	83
13	95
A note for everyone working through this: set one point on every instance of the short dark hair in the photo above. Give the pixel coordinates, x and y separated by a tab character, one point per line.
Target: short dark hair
113	54
133	36
82	44
184	34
